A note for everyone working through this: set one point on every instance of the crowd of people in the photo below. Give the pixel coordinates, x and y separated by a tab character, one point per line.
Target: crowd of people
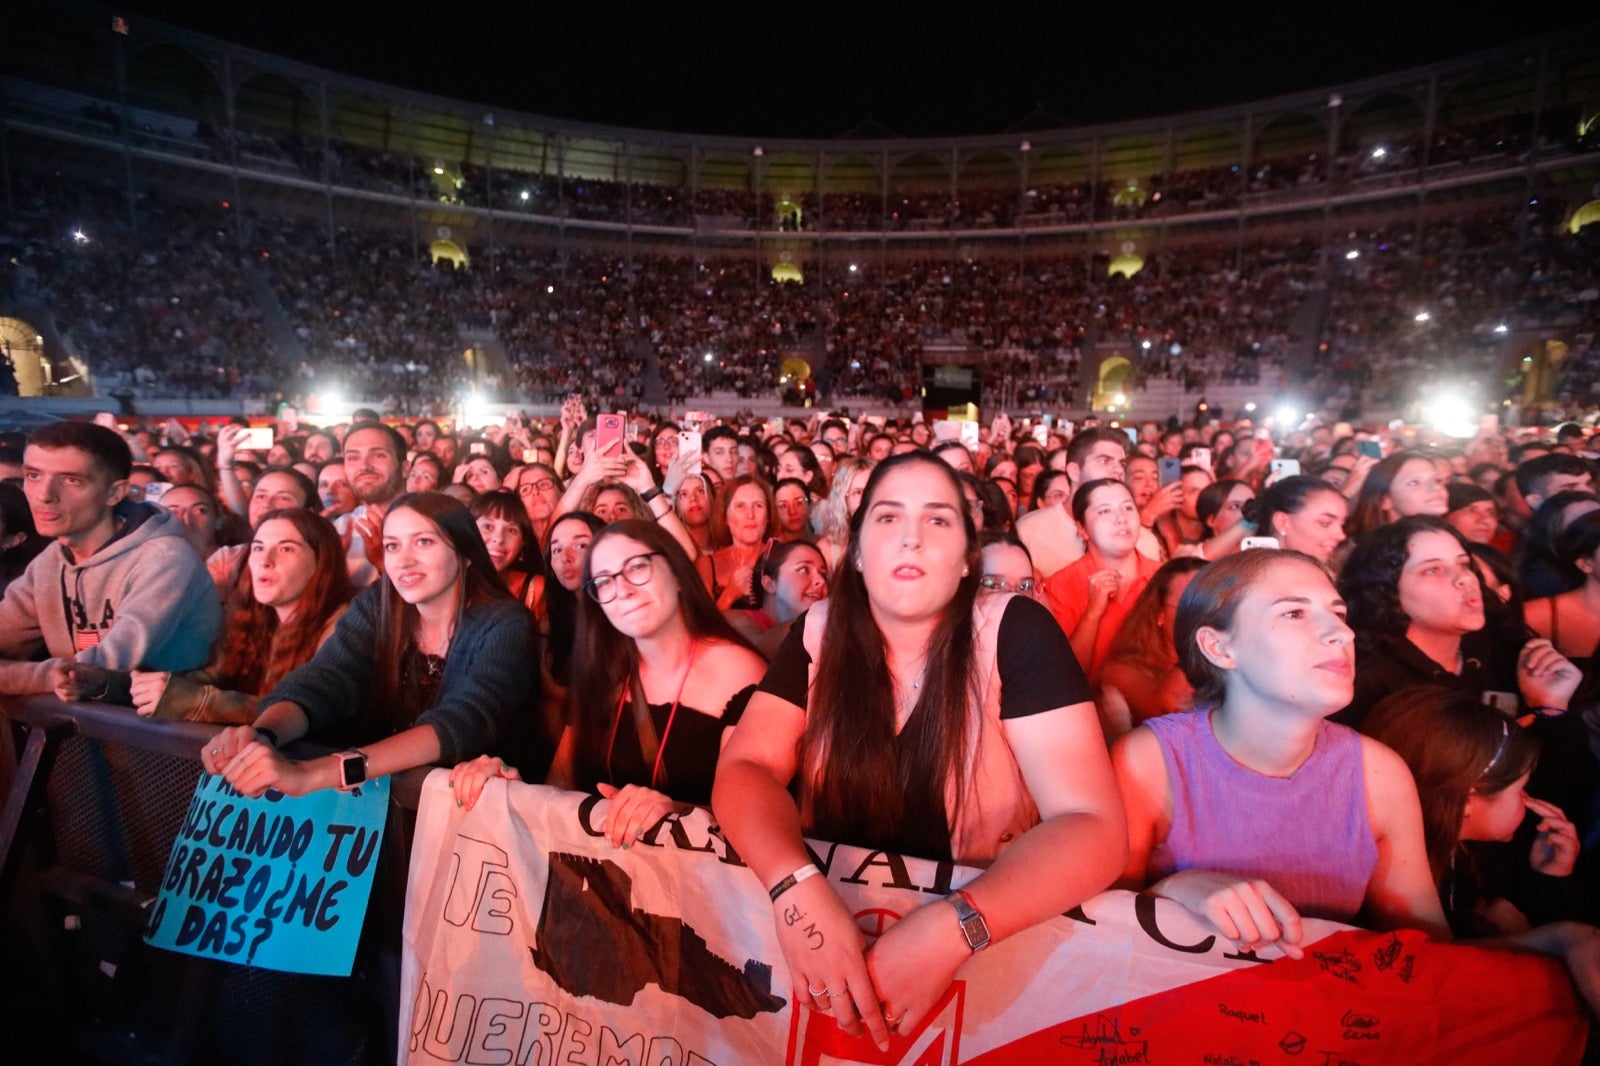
1342	672
1361	319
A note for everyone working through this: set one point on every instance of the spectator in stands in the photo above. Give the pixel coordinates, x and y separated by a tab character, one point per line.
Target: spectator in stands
658	679
744	522
1180	527
1538	565
832	517
1472	511
1417	605
20	542
794	577
425	473
1472	767
1142	677
320	448
119	589
334	494
693	507
720	447
1305	514
480	473
539	488
1254	809
1007	566
284	608
955	453
373	458
180	466
801	464
1571	620
877	745
1401	485
1052	537
508	538
793	506
435	663
196	509
1091	596
1543	476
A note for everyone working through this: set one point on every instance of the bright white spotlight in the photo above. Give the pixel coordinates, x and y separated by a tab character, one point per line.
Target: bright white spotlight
1422	316
1287	417
1251	406
1119	399
1452	413
475	412
1501	328
1145	346
80	237
1352	254
1379	152
708	357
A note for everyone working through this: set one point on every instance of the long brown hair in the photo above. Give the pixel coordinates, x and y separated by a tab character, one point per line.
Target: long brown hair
605	661
857	777
255	652
1455	746
1140	639
719	536
477	583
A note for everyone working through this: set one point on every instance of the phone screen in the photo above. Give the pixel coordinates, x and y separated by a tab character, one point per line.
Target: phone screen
1171	469
608	434
689	441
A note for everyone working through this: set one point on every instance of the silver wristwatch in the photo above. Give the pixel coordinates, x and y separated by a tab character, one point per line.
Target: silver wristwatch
973	926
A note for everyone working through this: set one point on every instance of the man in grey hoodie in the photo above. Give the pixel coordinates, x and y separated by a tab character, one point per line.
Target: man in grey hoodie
119	590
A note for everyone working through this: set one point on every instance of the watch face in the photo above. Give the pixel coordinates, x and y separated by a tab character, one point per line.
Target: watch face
352	769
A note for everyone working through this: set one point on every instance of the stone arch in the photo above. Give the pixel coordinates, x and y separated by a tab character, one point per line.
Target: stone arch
1207	147
1131	162
1290	135
919	172
165	77
1059	164
1381	118
726	170
446	248
1127	264
1486	93
268	101
1112	378
991	168
784	270
22	348
363	121
1587	215
855	172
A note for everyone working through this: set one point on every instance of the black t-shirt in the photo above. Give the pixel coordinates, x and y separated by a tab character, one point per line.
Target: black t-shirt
1038	671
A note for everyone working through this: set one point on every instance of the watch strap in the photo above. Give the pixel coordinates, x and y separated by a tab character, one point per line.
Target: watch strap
973	925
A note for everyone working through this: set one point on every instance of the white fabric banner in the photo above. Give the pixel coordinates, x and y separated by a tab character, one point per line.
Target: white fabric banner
529	939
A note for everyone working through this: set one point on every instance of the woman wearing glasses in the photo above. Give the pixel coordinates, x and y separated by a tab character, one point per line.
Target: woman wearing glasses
540	490
659	678
911	714
1007	566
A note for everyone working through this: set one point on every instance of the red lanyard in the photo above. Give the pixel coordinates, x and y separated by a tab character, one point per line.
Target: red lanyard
672	716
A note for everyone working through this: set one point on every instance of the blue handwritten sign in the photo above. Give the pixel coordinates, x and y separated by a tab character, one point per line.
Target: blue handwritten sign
276	882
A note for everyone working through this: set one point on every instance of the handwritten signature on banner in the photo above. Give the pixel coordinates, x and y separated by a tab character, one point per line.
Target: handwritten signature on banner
276	882
530	939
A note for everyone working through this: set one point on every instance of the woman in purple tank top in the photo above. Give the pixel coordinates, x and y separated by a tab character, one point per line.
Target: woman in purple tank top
1253	809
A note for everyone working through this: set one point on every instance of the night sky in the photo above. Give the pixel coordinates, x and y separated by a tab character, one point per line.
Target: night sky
792	70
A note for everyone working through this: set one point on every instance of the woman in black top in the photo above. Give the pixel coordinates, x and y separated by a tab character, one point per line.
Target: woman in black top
915	716
659	678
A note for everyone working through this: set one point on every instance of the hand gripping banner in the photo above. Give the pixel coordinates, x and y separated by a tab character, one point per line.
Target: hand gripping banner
529	939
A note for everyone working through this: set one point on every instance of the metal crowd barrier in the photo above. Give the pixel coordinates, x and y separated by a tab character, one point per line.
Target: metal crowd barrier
94	796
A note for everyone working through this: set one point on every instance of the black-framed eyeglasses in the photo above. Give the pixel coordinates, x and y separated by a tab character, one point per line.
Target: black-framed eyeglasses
638	570
528	488
1026	587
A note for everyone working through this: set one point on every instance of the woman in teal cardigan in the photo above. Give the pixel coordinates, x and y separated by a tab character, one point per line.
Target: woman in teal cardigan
437	663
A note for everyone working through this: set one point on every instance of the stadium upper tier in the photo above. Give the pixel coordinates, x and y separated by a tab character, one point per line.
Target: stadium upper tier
78	75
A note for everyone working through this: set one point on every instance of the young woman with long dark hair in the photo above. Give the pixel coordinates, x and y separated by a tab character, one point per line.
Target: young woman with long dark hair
434	664
1472	765
659	678
284	605
916	716
508	536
